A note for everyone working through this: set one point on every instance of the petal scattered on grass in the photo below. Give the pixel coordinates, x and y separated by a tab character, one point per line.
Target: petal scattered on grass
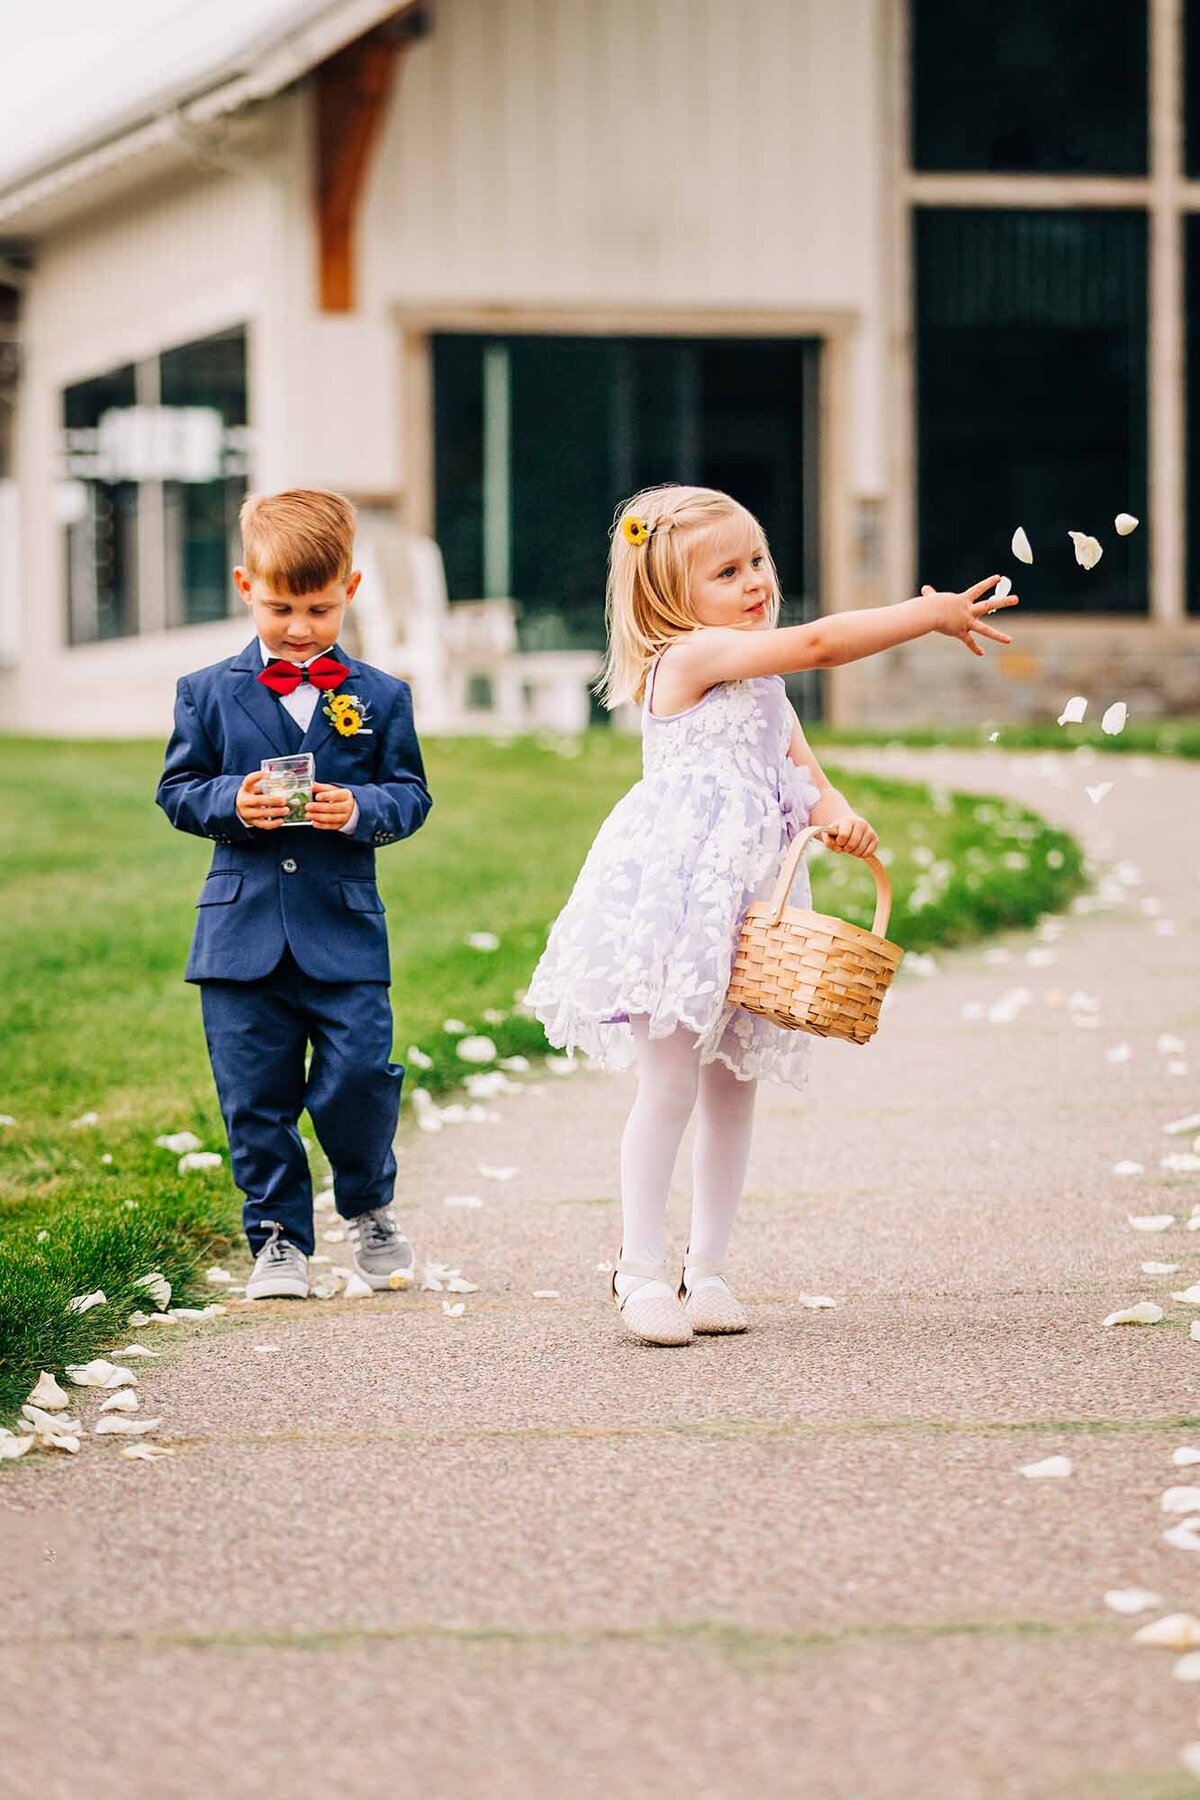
113	1425
1150	1221
1051	1468
482	940
85	1122
218	1277
1124	523
85	1302
454	1027
138	1319
178	1142
100	1374
476	1049
1131	1600
13	1447
49	1395
516	1065
1073	712
1145	1312
158	1288
44	1422
1021	548
199	1159
146	1452
417	1058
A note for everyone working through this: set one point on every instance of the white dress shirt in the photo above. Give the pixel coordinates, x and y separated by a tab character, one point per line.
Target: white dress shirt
302	703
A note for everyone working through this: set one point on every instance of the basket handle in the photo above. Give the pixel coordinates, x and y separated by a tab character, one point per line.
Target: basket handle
791	863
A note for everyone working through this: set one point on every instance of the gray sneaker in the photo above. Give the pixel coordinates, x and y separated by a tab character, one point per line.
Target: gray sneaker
280	1270
383	1255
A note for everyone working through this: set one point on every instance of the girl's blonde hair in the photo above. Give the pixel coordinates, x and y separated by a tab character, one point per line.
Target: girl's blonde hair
647	603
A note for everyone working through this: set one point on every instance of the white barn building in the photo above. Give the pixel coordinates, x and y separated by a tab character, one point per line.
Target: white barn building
902	274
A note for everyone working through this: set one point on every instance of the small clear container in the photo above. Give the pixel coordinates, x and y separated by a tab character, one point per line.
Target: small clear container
293	777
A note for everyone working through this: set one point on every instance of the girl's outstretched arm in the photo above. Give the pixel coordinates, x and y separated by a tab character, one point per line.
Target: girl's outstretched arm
730	653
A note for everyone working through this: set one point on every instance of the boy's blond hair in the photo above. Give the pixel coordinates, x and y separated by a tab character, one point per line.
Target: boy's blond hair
647	600
299	541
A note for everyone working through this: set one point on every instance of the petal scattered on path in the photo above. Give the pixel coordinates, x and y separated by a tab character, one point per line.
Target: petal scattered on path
1145	1312
49	1395
1051	1468
1131	1600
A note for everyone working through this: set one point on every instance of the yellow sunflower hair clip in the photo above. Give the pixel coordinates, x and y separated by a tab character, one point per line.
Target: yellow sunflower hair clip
635	530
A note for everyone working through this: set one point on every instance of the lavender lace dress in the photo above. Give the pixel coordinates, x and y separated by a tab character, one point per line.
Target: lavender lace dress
653	920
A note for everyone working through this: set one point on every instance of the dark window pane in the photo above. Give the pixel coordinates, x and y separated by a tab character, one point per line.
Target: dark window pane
203	398
1192	249
1021	86
594	419
1191	85
1031	400
99	510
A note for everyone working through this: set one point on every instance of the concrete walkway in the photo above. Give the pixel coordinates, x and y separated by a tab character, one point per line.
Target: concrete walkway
514	1554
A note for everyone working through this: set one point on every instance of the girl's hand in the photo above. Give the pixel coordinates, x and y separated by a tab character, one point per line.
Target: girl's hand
853	836
958	615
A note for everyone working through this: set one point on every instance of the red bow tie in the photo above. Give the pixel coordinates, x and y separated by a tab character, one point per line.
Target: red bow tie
285	677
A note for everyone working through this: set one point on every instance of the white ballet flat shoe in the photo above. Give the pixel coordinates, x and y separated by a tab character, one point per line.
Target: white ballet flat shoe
712	1309
651	1312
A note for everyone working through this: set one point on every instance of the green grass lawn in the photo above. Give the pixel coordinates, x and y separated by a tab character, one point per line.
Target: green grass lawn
98	895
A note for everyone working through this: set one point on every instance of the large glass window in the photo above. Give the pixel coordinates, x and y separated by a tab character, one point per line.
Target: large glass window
538	439
1031	399
204	385
1023	87
99	510
155	459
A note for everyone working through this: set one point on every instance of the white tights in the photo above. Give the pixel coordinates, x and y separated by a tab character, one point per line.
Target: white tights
670	1079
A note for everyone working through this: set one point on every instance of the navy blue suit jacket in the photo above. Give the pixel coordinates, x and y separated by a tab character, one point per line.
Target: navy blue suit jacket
310	891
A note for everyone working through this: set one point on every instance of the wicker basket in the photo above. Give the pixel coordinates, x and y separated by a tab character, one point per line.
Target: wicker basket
809	972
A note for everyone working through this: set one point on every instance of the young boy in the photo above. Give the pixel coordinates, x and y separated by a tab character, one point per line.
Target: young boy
290	947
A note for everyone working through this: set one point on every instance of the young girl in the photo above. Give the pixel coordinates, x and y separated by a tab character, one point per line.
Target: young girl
638	962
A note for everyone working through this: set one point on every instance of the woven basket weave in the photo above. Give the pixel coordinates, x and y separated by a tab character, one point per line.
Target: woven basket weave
807	971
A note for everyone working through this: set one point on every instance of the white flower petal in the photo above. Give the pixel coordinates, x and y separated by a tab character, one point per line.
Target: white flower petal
158	1288
60	1441
561	1065
1169	1045
49	1395
1087	549
114	1426
1119	1053
492	1174
264	1349
1096	794
1127	1167
1174	1631
1124	523
1073	712
178	1142
1182	1162
815	1301
1183	1127
457	1284
85	1122
1131	1600
100	1374
417	1058
1188	1667
1051	1468
1185	1457
476	1049
1159	1268
124	1400
1183	1536
454	1309
1114	719
199	1159
146	1452
546	1294
1144	1312
516	1065
85	1302
482	940
1194	1330
138	1319
44	1422
13	1447
1001	591
453	1027
1020	545
1150	1221
467	1202
356	1288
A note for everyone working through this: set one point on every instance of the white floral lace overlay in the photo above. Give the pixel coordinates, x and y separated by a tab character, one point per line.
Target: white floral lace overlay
653	921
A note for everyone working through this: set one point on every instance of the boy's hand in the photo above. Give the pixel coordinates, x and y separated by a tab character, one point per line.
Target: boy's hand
266	812
958	615
852	835
330	807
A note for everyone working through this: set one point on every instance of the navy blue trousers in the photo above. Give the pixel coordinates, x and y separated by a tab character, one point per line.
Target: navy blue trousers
258	1034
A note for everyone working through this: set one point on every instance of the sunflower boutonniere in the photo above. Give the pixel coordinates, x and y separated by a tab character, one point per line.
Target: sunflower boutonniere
348	713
